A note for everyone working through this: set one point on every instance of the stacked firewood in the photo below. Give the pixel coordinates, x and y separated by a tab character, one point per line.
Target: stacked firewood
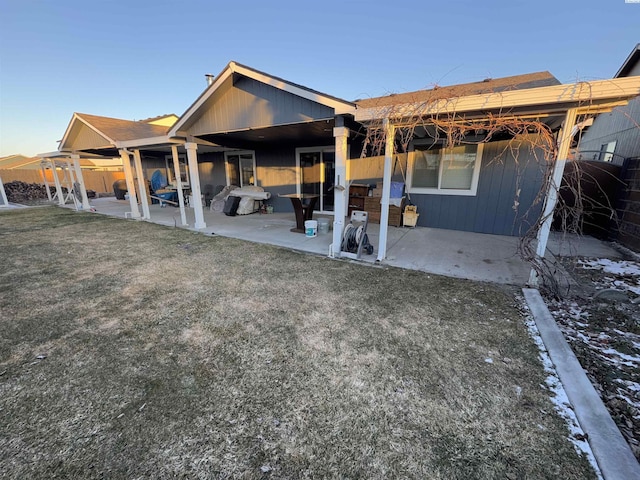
18	192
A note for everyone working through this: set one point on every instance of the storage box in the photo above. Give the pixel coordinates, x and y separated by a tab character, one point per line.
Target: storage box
410	216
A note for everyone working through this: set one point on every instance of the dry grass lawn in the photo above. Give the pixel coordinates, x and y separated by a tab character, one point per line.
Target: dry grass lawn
131	350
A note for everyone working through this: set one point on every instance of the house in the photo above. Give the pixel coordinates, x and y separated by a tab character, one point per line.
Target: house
477	157
615	135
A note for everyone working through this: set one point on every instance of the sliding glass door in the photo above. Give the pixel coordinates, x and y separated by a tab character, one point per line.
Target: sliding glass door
317	168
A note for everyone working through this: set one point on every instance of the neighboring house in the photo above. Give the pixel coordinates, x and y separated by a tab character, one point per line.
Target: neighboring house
615	135
249	127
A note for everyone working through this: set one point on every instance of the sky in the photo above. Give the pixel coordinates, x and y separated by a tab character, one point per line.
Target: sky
137	59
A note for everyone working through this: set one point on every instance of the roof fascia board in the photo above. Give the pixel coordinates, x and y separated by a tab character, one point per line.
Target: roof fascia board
339	107
148	142
70	127
590	94
627	65
201	100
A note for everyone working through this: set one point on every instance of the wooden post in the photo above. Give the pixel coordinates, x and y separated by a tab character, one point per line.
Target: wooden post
390	133
131	188
142	185
341	185
80	179
194	176
176	169
43	170
56	180
552	190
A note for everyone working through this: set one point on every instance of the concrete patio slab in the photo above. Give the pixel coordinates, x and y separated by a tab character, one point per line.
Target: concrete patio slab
474	256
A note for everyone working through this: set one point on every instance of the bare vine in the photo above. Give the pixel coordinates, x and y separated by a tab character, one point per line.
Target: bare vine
436	119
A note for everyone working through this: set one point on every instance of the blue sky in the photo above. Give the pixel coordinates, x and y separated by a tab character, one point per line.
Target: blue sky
141	58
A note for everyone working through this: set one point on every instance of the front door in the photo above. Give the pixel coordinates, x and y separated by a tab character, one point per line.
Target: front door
317	168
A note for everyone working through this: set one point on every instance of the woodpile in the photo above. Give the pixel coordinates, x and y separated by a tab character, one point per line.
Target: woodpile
19	192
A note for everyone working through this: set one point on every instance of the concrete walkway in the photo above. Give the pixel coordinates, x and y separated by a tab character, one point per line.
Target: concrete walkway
474	256
613	454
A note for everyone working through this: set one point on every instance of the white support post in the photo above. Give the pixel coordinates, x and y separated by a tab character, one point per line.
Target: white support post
43	170
553	188
176	169
70	180
3	195
80	179
341	188
390	132
142	185
194	178
131	188
56	180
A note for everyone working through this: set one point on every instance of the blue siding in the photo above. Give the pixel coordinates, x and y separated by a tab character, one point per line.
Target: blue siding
491	210
253	104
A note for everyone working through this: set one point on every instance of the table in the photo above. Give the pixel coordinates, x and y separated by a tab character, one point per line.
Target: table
303	211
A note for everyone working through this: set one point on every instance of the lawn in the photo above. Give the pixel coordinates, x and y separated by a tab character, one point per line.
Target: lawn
132	350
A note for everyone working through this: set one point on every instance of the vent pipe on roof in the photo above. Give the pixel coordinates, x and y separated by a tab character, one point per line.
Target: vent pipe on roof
209	78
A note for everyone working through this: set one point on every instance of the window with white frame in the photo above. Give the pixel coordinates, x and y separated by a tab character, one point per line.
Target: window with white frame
445	171
241	168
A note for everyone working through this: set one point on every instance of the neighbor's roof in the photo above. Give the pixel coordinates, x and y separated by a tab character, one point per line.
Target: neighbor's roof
120	130
17	161
629	63
517	82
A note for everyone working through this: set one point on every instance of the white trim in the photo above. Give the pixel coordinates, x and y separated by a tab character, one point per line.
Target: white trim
321	150
585	95
70	127
240	153
339	107
148	142
472	192
217	82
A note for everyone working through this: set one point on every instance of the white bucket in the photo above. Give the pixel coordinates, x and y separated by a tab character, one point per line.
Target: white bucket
323	225
311	228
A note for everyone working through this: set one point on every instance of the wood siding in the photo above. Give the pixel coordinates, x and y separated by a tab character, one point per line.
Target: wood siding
84	138
492	209
252	104
621	125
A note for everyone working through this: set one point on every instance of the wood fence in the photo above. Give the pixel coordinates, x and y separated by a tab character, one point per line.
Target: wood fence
100	182
629	205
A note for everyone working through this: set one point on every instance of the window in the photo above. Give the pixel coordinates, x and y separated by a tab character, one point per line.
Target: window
184	169
241	168
606	151
445	171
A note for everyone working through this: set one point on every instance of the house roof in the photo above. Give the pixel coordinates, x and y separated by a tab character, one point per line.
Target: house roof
201	103
629	63
588	97
517	82
17	161
117	129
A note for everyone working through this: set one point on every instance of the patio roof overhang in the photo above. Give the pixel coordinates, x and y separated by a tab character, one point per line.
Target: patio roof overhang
543	102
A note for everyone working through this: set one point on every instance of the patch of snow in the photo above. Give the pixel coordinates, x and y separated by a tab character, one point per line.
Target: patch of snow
560	400
627	358
617	267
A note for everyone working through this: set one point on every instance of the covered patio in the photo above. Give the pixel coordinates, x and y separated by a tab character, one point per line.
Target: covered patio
474	256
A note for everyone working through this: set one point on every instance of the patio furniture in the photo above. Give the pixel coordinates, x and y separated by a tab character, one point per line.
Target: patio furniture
303	205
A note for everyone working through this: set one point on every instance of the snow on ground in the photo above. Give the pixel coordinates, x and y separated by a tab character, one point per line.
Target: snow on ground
604	334
559	397
628	270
